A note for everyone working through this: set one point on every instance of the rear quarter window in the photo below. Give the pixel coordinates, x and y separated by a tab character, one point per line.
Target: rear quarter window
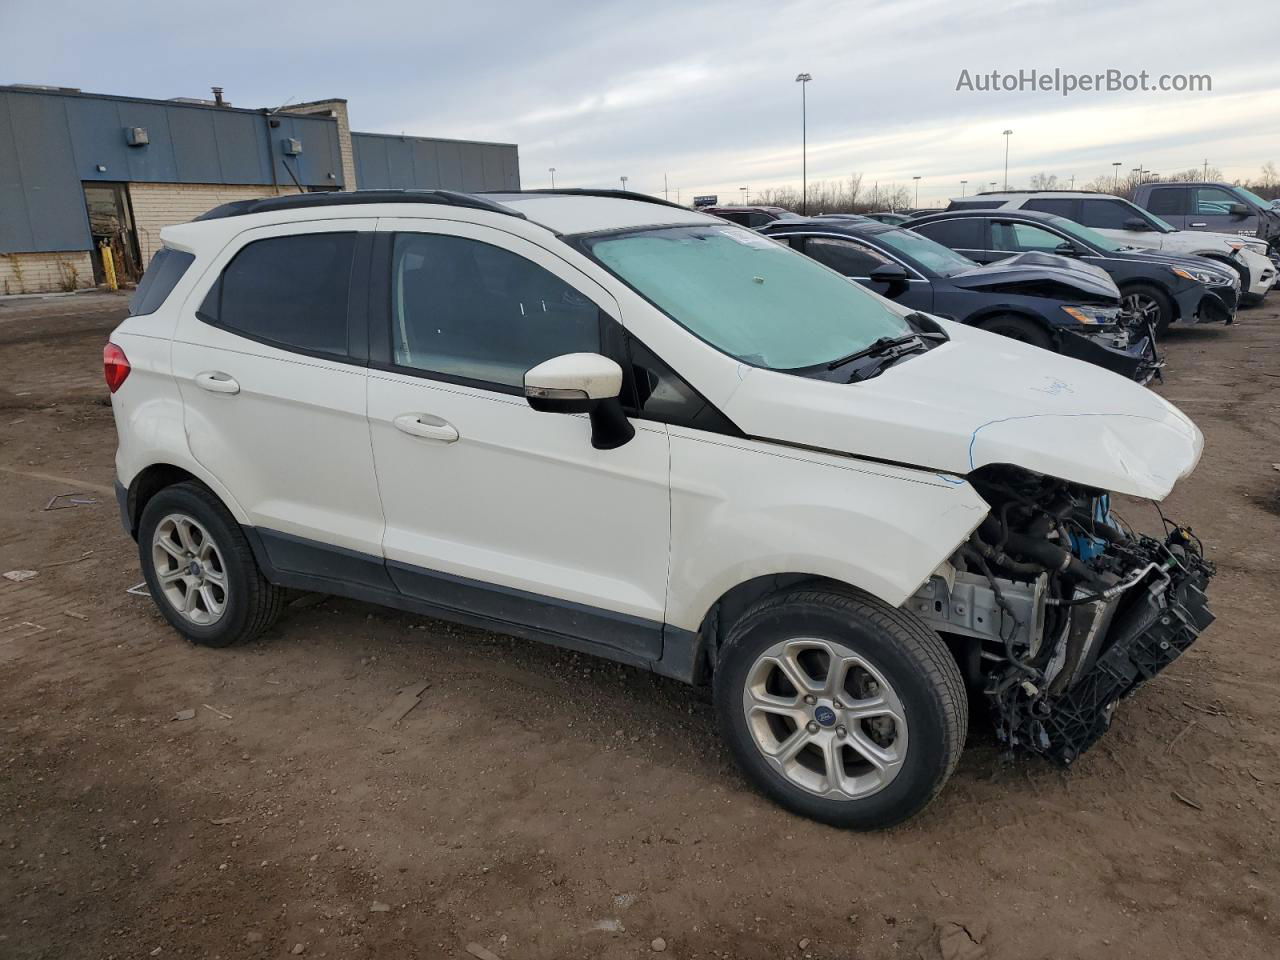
159	279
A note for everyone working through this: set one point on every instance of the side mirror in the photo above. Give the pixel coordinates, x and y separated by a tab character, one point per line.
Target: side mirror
582	383
892	274
1137	224
1066	249
1238	210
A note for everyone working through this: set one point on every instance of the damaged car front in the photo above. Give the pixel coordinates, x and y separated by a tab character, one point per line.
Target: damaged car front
1066	608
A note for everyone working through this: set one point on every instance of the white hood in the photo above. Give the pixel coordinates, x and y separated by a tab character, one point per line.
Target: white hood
983	399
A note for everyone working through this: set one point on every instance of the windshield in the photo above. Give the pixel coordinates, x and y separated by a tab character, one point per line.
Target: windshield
1084	234
748	296
925	252
1253	197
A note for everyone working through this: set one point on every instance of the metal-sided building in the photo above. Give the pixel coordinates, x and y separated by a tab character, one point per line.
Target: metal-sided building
78	170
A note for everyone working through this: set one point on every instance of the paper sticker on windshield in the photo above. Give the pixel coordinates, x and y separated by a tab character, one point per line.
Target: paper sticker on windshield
749	239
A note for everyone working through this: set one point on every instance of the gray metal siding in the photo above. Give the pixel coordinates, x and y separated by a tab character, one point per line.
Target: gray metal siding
51	143
391	162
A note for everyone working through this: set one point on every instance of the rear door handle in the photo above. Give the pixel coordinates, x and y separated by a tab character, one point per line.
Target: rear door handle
426	426
215	381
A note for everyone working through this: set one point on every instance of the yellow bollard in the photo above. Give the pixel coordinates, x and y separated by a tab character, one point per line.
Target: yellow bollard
109	265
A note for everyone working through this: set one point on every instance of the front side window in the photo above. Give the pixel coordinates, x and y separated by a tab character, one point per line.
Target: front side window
922	251
1213	201
844	256
746	295
288	291
1167	201
470	310
1024	238
1086	236
1110	214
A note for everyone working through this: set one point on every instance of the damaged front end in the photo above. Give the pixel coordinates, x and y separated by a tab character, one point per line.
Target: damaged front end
1063	609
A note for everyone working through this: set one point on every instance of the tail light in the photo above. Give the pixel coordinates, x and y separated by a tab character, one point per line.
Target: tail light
115	366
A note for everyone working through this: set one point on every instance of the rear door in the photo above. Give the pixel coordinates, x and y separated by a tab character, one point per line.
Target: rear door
494	508
1109	217
1170	205
269	357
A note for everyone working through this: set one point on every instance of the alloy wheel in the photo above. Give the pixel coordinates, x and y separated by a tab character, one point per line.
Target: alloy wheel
825	718
189	569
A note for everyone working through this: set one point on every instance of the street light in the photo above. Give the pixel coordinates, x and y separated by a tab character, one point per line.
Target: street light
917	203
553	177
993	184
803	79
1007	135
1117	165
624	184
962	186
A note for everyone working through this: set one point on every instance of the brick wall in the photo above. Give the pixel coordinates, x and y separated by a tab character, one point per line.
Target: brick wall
159	205
45	272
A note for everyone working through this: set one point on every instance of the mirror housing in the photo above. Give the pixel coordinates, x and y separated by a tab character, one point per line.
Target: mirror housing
582	383
1066	249
1136	224
1238	210
892	274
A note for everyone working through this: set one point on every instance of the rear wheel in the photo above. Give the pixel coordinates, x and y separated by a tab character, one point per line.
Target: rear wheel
200	569
1020	329
1143	304
839	707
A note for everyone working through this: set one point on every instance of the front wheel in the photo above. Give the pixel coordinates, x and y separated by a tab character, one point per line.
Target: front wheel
1019	328
1146	307
839	707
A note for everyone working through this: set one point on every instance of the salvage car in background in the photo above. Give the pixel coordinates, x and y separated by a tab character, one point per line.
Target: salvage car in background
1220	207
1155	288
710	457
1036	298
748	216
1131	226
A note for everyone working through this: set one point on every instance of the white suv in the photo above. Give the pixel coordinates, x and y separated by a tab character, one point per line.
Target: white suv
1127	222
627	428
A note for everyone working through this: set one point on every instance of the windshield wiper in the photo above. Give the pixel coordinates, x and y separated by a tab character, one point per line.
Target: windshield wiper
884	345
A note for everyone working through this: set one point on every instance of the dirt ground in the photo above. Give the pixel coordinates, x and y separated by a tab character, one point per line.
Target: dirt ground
542	804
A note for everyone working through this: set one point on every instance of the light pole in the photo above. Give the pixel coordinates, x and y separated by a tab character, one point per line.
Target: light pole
1117	165
963	183
664	188
1007	135
917	202
552	170
993	184
803	79
743	191
624	184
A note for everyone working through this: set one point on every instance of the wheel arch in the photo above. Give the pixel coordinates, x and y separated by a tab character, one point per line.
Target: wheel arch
979	317
155	477
1132	282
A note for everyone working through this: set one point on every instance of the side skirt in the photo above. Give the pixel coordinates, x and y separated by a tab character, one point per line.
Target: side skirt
302	564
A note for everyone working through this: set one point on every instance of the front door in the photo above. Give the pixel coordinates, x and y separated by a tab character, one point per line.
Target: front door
493	508
856	261
1211	210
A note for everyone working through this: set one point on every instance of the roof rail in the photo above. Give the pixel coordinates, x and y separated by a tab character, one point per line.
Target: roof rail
588	192
988	193
449	198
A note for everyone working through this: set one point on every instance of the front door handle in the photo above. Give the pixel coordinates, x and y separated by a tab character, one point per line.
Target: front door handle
1201	224
215	381
426	426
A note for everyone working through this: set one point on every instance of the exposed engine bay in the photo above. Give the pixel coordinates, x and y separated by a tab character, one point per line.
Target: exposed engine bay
1070	609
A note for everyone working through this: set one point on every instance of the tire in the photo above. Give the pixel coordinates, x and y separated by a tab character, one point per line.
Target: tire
915	676
1150	303
185	528
1022	329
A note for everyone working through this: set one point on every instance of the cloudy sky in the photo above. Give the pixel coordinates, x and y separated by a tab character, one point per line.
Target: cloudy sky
705	93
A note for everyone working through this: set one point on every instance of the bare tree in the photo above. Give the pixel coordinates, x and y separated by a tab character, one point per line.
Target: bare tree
1044	181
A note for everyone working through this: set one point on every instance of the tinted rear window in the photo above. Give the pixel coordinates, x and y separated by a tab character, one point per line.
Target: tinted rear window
289	291
161	276
960	234
1058	206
